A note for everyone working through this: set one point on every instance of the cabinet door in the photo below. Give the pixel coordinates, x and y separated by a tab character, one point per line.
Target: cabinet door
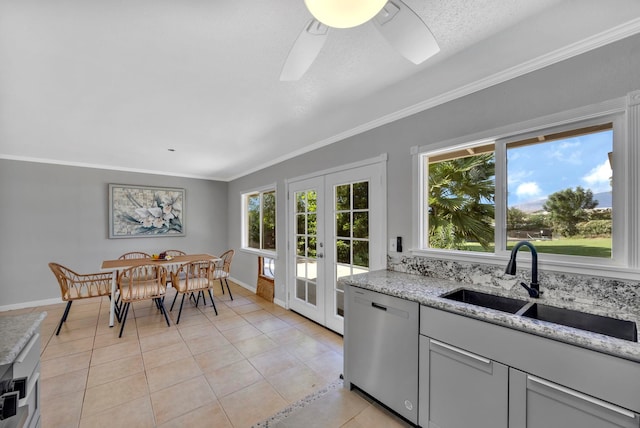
538	403
461	389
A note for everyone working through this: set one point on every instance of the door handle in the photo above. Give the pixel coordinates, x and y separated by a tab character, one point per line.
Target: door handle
378	306
320	255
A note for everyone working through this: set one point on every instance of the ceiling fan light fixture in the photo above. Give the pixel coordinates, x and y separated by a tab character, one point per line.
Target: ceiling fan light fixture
344	13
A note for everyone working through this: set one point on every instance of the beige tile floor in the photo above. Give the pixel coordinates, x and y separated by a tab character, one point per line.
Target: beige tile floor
231	370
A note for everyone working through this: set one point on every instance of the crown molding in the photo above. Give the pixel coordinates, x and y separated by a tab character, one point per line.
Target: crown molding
614	34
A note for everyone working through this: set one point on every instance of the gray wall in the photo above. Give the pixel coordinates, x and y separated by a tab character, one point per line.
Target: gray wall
608	72
60	213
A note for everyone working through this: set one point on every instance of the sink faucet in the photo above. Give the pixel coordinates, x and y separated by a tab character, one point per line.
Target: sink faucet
534	288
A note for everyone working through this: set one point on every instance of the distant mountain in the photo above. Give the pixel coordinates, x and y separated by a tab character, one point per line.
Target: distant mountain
604	201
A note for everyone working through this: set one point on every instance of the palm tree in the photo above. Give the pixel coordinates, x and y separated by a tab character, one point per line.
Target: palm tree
461	202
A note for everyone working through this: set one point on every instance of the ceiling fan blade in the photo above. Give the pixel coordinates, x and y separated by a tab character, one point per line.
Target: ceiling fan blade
304	51
406	32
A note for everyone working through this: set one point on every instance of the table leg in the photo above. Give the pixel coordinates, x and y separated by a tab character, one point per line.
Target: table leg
112	306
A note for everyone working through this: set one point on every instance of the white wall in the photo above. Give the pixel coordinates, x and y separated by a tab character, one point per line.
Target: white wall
608	72
60	213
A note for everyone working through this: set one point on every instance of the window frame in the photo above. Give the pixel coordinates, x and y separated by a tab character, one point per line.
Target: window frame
624	113
245	221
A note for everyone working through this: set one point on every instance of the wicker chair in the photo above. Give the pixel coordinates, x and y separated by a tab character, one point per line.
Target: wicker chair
134	255
175	253
190	278
75	286
222	270
142	283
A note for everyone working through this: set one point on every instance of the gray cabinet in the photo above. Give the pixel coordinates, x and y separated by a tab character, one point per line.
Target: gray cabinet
538	403
461	389
381	349
549	384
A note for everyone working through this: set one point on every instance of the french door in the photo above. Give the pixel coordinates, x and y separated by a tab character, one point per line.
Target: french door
337	224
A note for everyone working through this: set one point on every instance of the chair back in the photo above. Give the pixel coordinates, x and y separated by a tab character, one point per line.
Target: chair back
142	282
225	263
79	286
192	276
134	255
175	253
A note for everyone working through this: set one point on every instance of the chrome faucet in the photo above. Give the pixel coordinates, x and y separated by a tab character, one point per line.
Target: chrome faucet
534	288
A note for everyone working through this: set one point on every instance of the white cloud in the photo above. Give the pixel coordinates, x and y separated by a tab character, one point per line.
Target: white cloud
567	152
528	190
598	178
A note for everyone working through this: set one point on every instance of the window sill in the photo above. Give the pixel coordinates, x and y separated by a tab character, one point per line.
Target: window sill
261	253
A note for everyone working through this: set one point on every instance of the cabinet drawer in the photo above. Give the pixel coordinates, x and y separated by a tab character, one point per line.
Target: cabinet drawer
461	389
539	403
28	358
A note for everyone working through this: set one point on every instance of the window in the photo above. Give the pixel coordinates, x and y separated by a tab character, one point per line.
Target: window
553	185
259	220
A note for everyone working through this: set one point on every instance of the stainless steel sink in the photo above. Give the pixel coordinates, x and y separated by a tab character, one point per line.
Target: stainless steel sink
500	303
595	323
613	327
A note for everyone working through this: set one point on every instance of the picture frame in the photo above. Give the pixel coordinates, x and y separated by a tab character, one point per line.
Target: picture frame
146	211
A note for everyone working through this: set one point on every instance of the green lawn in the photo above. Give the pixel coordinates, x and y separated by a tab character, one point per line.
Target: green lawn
590	247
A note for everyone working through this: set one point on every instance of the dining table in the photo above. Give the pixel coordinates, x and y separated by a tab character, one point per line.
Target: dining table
121	264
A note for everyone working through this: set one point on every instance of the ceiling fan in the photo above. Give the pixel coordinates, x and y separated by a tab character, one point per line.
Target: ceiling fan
396	21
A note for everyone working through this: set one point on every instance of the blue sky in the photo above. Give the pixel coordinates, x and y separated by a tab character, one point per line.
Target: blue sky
536	171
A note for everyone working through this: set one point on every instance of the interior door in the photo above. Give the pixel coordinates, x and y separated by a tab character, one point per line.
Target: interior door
338	224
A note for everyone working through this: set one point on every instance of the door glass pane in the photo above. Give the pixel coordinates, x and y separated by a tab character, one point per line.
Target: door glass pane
312	270
311	224
342	270
361	195
300	230
343	197
343	251
343	224
312	197
311	293
300	246
361	225
361	253
301	289
339	303
300	202
311	247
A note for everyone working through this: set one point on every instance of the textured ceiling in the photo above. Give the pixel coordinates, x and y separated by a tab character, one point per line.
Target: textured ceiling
115	84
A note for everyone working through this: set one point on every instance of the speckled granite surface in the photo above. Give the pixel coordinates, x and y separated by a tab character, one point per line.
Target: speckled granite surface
15	332
426	290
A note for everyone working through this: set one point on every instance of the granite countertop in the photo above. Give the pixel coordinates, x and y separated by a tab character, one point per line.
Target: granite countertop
427	291
15	332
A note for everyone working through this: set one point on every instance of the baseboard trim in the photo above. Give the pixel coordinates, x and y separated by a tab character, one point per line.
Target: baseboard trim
31	304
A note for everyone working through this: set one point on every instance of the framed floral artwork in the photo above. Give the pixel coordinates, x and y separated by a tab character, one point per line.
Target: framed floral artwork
139	211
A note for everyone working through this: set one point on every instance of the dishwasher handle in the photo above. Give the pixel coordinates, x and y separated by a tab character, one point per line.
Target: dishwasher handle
378	306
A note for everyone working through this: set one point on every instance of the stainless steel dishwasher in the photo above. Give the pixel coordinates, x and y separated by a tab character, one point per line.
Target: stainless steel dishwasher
381	349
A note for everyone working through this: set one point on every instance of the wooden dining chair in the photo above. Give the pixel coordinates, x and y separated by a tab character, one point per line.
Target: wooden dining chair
223	269
75	286
146	282
192	278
